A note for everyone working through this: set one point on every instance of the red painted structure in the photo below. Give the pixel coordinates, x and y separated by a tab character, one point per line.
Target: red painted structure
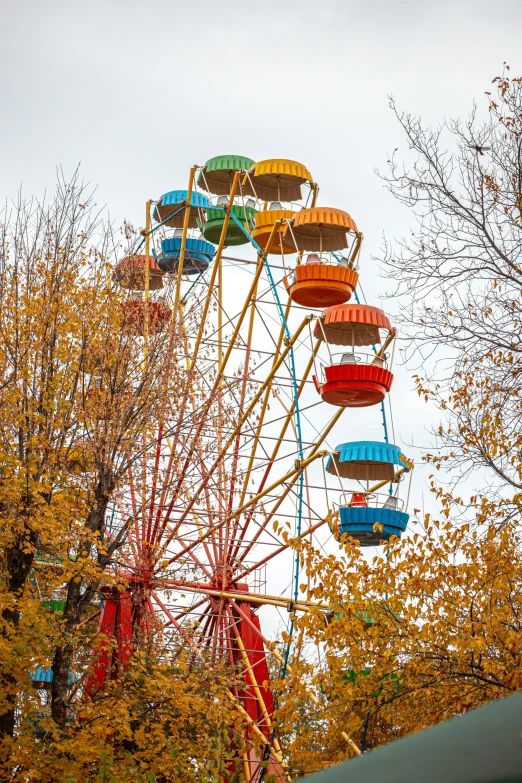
125	618
116	631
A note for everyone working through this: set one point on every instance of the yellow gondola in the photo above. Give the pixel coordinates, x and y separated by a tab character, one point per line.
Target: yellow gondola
276	179
265	220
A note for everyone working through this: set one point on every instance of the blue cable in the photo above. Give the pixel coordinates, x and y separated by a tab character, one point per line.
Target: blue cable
152	230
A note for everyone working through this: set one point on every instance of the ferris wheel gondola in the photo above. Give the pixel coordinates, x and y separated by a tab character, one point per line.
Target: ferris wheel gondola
326	278
369	516
354	379
130	273
171	208
198	253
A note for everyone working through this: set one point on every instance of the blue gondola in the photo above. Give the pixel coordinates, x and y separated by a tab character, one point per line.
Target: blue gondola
171	208
198	255
368	517
42	678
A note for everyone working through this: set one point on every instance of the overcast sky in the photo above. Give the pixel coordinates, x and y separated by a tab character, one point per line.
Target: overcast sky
139	91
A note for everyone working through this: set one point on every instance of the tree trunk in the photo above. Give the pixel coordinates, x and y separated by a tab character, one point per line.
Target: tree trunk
76	605
19	562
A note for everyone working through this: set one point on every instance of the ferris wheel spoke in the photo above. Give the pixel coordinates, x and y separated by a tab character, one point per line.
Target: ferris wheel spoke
206	627
173	444
215	270
144	475
242	420
292	474
198	562
132	490
262	417
268	516
212	560
179	627
138	509
280	550
228	645
163	526
192	608
246	370
288	479
217	631
188	458
154	481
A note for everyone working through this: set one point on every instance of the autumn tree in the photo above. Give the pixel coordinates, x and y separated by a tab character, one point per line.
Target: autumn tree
80	399
458	276
429	627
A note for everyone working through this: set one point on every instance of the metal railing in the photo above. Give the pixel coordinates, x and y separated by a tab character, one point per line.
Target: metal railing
371	500
348	356
326	259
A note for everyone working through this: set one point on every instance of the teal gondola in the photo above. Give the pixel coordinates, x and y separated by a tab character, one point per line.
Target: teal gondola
369	517
198	255
170	209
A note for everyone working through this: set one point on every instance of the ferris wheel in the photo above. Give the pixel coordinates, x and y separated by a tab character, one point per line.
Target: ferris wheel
273	352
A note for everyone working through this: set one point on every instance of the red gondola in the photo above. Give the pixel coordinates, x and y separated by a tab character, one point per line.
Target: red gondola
354	379
134	311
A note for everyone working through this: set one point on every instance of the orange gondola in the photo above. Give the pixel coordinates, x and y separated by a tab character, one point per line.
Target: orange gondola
325	278
354	380
130	273
321	283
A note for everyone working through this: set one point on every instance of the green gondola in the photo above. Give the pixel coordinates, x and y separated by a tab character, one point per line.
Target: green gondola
213	225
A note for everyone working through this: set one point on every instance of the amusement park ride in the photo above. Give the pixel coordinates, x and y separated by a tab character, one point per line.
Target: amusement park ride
275	350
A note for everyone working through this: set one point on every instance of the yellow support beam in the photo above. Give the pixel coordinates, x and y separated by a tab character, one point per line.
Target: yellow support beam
259	696
356	250
313	455
215	269
383	483
262	413
248	299
288	417
380	353
147	284
311	695
186	218
288	476
317	703
277	756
